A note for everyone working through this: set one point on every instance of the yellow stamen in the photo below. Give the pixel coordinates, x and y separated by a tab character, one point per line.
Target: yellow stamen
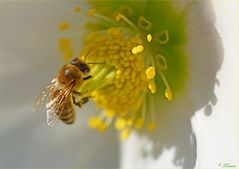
77	9
91	12
152	86
149	38
111	84
129	122
139	123
120	123
164	79
137	49
140	48
94	122
68	54
118	16
125	134
103	127
119	84
63	26
109	114
64	43
151	126
168	94
150	72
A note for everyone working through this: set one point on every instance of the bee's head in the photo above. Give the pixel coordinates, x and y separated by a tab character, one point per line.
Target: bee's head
84	68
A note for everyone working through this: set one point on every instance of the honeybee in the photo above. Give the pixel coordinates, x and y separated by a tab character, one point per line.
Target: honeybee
59	96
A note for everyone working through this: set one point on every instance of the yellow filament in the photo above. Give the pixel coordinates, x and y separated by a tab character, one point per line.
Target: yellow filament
120	123
109	114
152	86
118	16
125	134
151	126
63	26
103	127
139	123
150	72
168	94
164	79
94	122
64	43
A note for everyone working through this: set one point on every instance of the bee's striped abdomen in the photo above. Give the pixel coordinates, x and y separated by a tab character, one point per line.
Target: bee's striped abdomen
68	115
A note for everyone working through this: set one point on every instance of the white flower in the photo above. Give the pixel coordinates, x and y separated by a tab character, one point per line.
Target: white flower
29	58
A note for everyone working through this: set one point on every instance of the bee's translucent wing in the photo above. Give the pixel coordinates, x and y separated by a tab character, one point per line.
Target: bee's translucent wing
43	96
51	115
56	103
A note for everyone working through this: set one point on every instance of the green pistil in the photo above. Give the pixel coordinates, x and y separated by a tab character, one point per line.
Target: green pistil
102	75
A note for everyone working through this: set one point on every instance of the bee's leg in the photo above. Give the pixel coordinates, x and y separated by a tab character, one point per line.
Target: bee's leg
87	77
79	93
75	102
82	100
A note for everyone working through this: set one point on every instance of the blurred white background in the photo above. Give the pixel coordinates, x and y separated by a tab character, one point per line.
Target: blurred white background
30	59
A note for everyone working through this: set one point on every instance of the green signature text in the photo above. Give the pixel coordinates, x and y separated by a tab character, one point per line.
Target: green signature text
228	165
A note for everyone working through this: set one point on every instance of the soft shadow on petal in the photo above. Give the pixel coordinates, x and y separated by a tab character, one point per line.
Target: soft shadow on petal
205	51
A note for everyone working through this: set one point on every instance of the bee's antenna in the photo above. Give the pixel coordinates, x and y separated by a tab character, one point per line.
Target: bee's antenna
86	54
95	63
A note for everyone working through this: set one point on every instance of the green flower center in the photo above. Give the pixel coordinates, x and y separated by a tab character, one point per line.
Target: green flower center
138	58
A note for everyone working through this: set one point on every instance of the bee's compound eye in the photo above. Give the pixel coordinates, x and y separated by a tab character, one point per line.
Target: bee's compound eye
84	68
